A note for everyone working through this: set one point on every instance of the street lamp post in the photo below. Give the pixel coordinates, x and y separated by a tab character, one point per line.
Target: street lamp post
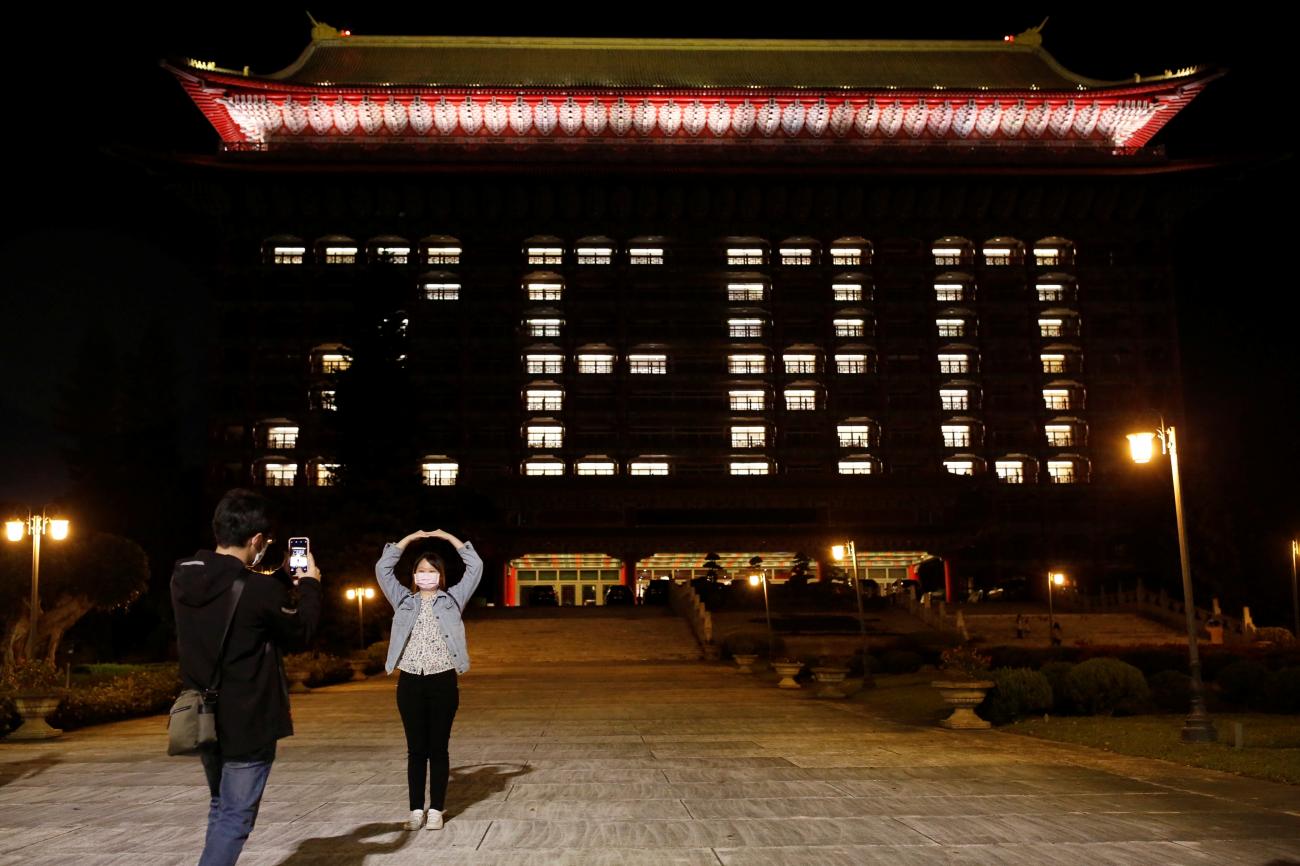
361	593
1054	578
754	579
1198	728
36	525
839	552
1295	596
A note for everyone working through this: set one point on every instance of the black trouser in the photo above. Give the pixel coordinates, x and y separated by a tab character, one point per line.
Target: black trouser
428	706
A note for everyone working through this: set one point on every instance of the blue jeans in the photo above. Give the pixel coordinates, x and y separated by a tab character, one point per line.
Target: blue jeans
236	785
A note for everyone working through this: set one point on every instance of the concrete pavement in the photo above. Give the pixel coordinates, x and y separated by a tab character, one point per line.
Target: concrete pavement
642	763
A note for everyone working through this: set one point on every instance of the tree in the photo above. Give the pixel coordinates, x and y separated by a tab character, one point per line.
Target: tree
98	571
800	571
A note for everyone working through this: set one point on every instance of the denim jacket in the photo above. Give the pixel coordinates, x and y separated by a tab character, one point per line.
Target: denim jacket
447	605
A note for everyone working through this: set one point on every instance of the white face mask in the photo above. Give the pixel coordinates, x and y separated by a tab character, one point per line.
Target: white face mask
426	581
261	553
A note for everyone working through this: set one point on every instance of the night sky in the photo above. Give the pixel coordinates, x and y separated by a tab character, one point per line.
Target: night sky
90	243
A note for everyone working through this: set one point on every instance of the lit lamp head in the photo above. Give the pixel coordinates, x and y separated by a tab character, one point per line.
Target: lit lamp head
59	529
370	593
1058	579
754	579
14	530
1142	446
837	552
351	594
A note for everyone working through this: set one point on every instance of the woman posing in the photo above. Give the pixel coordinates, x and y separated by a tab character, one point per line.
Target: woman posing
427	645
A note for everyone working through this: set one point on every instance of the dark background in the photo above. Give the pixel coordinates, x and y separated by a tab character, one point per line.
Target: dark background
105	275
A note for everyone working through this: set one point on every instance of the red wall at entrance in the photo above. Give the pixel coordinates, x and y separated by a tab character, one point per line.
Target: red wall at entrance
510	581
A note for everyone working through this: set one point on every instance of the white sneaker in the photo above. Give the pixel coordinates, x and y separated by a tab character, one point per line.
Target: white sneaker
417	819
435	820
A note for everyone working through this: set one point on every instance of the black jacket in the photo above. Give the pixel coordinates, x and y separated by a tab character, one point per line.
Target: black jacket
253	708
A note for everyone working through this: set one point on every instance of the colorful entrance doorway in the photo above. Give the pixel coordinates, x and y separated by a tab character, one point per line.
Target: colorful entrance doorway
571	579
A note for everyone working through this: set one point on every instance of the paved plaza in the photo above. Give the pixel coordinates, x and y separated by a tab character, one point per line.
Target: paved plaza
642	762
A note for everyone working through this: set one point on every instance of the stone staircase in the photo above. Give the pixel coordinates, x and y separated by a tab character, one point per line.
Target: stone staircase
1103	629
601	634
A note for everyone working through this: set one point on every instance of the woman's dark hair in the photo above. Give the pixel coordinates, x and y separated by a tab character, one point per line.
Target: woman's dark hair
427	548
240	515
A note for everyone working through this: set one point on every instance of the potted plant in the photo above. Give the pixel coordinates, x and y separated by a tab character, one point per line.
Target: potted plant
36	689
830	671
965	681
787	669
744	649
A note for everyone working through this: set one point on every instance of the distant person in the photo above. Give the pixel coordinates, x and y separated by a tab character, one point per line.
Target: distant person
1056	634
1022	626
253	697
427	645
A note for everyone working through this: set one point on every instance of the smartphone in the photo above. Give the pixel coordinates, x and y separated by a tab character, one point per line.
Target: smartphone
298	556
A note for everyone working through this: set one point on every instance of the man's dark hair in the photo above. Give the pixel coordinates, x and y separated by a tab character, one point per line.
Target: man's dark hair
240	515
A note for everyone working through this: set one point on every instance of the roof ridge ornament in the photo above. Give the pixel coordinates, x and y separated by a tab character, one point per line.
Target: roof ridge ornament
1033	37
321	30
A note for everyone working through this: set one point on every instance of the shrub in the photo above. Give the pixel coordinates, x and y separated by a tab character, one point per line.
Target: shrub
1153	660
322	669
1058	675
139	693
964	662
1017	692
1242	684
1106	686
901	662
27	675
1282	691
376	657
749	643
1276	635
1171	691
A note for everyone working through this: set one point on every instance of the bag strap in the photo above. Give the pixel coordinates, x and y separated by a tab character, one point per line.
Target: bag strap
236	589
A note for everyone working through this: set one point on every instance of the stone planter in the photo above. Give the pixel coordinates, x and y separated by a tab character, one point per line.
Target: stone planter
745	662
358	669
787	671
298	681
35	707
830	677
963	696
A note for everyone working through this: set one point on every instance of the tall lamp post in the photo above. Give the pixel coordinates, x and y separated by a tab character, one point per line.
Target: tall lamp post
1054	578
754	580
1295	596
849	550
361	594
1198	728
36	525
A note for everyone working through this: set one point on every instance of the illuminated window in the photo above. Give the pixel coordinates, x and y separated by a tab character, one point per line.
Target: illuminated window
443	253
745	291
748	437
951	327
847	291
997	255
545	254
279	474
326	474
956	435
1051	327
846	256
796	256
848	327
544	435
951	251
647	364
750	467
439	472
597	465
745	327
540	290
800	399
960	467
856	465
854	435
282	437
1010	471
954	399
1051	291
340	255
746	364
1053	252
1059	435
595	255
948	292
543	399
326	399
440	291
850	363
393	255
1056	398
287	255
544	363
642	466
333	362
1053	363
544	467
800	363
544	327
954	363
1061	471
646	255
747	400
595	363
745	255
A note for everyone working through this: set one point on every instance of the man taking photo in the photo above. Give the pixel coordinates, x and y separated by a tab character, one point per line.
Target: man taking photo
253	697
